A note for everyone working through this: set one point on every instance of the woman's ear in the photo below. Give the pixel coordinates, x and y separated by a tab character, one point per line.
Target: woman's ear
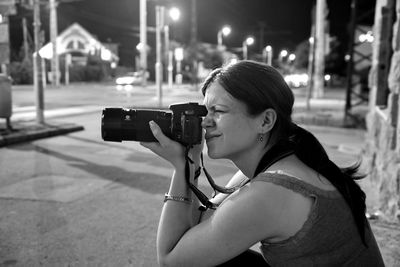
268	118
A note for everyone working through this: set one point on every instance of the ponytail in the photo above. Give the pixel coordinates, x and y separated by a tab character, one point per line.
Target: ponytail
310	151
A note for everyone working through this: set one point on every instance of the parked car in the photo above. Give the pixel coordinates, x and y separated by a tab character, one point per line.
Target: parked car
131	78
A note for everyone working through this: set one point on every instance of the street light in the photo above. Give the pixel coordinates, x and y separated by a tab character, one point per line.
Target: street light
178	58
246	43
282	54
143	40
158	66
174	15
267	54
225	31
292	57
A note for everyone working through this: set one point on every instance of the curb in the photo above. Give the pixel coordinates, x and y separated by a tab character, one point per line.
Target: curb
26	133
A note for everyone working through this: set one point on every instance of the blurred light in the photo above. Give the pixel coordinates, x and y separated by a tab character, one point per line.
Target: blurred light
347	57
179	54
292	57
233	61
327	77
296	80
311	40
268	48
249	40
174	13
129	79
1	18
113	65
284	53
226	30
366	38
105	55
46	51
139	46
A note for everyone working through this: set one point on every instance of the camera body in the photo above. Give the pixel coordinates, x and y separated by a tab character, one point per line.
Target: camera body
182	123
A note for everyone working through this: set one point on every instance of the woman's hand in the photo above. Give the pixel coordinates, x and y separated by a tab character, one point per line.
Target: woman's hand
166	148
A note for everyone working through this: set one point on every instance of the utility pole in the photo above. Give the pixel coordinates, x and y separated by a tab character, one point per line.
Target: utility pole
319	68
193	40
158	65
143	41
25	36
37	66
55	65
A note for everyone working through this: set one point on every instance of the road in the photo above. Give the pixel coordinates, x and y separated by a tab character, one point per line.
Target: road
75	200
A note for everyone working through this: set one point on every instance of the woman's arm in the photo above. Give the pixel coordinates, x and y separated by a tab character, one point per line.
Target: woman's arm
245	217
177	216
236	179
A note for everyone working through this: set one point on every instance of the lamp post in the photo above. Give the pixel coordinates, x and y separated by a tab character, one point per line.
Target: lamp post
291	58
282	54
246	43
267	55
174	15
158	65
225	31
178	58
143	41
55	65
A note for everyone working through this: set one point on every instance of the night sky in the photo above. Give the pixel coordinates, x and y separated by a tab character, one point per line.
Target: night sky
285	22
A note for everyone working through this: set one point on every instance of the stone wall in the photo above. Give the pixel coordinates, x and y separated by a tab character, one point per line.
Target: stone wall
382	149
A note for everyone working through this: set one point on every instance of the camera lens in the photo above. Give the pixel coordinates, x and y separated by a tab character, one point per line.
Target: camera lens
119	124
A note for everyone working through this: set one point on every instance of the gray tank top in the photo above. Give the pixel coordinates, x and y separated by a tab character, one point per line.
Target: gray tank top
329	237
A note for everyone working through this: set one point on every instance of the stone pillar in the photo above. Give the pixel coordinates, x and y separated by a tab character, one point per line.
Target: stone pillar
382	150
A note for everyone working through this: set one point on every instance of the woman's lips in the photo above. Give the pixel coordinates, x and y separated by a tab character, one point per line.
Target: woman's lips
211	136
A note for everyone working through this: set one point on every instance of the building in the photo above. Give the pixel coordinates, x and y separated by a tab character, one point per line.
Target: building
80	44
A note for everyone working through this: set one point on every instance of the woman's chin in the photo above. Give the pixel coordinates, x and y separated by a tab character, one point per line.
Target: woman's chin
212	154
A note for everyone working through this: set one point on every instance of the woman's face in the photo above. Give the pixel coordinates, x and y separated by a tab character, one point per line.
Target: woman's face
230	131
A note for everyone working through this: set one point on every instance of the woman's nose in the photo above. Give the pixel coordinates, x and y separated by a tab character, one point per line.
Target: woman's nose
207	122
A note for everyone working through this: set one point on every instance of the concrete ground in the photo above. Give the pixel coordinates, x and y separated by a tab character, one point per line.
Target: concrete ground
75	200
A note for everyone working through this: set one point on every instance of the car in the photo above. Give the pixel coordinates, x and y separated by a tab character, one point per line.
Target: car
296	80
131	78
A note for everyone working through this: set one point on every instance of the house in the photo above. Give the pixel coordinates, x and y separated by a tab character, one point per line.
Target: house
80	44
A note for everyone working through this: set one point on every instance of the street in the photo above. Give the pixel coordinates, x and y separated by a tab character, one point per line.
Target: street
75	200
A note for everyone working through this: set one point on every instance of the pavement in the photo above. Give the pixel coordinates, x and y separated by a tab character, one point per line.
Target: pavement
68	214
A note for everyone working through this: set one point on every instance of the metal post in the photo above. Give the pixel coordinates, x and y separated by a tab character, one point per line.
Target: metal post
158	65
25	37
44	76
219	37
37	70
244	50
166	48
170	69
318	91
55	65
143	41
67	64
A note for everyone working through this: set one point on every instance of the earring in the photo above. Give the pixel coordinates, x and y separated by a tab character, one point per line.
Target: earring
261	138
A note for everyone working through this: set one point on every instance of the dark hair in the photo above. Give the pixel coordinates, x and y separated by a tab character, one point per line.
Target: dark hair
260	87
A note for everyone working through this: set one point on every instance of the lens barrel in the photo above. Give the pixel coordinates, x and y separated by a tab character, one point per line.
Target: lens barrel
119	124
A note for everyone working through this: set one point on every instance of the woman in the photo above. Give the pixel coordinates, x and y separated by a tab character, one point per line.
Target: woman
291	198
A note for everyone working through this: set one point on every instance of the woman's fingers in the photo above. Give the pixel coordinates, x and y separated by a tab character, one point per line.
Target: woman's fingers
158	134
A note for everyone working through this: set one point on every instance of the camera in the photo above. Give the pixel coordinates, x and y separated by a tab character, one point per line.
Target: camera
182	123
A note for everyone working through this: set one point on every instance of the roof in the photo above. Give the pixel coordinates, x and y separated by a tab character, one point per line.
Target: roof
75	38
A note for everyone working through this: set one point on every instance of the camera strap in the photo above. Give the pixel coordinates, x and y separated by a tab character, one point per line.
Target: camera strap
200	195
279	151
